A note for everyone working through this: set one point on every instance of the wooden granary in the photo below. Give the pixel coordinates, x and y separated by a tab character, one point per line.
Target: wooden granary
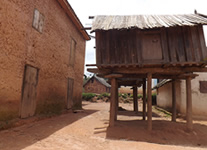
131	49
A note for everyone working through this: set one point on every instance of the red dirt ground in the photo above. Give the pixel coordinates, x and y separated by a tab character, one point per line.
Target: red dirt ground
88	130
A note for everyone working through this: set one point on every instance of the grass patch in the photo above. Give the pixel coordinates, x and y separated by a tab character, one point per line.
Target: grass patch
163	111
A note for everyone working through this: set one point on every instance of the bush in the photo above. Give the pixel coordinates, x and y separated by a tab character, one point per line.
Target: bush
88	96
124	96
103	95
139	96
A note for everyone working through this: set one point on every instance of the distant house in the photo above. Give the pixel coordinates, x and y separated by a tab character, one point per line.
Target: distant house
199	95
96	85
42	57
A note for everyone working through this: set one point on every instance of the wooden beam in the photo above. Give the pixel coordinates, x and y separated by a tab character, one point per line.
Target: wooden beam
154	70
171	70
99	71
113	76
112	102
144	99
160	76
149	102
173	101
135	99
189	104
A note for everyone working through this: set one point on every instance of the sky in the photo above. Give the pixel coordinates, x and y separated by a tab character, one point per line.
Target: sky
86	8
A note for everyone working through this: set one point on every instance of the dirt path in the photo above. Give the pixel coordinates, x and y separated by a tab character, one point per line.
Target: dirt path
89	130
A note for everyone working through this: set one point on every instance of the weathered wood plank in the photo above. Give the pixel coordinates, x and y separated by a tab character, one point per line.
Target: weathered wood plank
196	43
139	46
176	47
172	50
28	102
164	43
188	44
98	48
151	47
202	43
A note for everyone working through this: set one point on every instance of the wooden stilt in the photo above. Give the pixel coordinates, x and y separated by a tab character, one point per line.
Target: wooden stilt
173	101
189	104
144	99
149	102
135	99
113	102
116	101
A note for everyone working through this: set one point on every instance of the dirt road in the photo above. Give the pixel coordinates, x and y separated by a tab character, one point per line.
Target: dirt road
88	130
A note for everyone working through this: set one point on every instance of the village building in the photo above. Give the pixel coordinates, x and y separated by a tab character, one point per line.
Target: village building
199	96
133	49
96	85
42	57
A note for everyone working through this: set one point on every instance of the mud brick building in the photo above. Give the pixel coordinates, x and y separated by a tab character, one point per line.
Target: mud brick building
42	47
96	85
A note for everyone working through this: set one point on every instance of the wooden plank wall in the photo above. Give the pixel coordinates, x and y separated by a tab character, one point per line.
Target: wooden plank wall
178	44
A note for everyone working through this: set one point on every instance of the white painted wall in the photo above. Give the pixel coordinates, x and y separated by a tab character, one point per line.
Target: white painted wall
164	97
199	99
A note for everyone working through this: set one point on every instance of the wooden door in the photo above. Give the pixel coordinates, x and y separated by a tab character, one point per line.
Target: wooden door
28	103
70	93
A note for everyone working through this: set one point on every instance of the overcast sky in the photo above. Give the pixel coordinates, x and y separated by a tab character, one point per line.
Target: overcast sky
85	8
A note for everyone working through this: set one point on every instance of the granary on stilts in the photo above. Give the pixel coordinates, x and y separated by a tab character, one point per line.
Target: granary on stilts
133	49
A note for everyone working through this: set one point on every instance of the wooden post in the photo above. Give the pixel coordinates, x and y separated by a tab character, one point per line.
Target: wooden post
173	101
189	104
113	102
116	101
144	98
149	101
135	99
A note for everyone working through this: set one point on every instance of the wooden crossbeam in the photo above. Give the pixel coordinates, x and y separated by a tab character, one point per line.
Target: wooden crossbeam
158	70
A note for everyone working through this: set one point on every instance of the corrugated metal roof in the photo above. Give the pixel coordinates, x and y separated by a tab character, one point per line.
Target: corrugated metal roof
103	81
163	82
146	21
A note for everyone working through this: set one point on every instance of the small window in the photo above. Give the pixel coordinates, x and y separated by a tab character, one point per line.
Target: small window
72	52
38	21
203	86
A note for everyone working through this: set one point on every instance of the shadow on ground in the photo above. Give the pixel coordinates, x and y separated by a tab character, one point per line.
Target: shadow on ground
21	137
163	132
132	113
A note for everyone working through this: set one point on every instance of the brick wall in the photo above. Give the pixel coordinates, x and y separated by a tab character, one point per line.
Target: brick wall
48	51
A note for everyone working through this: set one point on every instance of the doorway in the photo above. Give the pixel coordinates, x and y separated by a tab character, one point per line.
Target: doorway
70	93
28	102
